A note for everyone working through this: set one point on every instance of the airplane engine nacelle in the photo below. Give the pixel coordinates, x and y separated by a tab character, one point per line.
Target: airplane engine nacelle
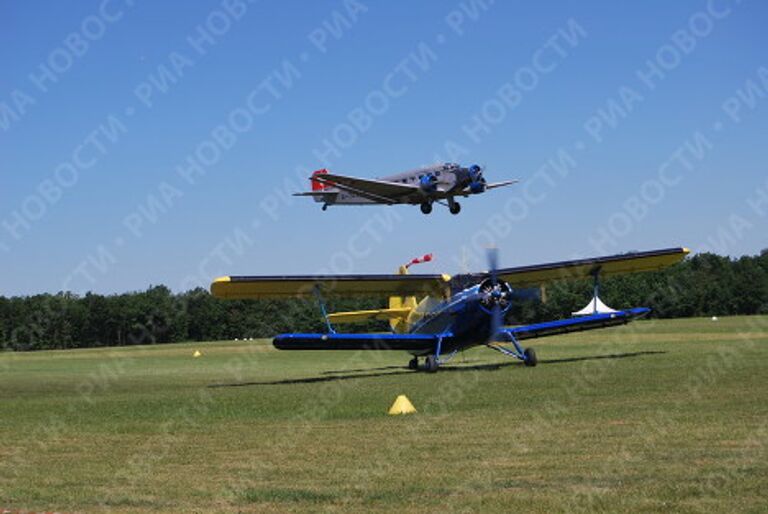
428	183
492	295
475	173
477	187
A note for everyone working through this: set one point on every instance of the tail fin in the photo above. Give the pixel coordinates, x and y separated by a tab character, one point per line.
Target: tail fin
316	184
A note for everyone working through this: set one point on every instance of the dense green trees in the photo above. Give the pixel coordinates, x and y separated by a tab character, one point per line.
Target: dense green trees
704	285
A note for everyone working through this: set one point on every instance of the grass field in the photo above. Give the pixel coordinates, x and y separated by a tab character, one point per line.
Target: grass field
655	416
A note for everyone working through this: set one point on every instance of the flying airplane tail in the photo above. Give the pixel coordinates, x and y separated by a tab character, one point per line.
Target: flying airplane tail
316	184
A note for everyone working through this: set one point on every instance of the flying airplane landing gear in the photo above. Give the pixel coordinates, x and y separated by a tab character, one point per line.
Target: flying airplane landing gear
455	208
430	365
413	364
426	207
325	207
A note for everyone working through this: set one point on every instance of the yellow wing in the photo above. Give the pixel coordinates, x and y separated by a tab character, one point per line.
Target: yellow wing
541	274
276	287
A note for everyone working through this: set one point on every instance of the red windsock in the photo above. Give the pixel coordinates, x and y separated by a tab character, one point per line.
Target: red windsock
419	260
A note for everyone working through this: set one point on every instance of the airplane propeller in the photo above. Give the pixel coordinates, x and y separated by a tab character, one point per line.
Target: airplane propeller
496	294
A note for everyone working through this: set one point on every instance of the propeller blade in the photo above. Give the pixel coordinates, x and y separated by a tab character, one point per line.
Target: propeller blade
493	264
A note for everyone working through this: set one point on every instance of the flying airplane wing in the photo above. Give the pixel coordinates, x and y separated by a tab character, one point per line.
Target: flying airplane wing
408	342
376	190
540	274
495	185
244	287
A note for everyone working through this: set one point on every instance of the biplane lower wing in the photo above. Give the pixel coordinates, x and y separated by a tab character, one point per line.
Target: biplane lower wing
565	326
406	342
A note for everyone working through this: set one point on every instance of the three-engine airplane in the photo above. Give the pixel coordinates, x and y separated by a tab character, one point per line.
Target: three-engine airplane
439	183
457	312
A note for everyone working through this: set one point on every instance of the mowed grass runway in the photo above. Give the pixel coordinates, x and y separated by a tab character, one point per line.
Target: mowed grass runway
654	416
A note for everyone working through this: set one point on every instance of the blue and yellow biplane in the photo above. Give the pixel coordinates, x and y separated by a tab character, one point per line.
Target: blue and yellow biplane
433	316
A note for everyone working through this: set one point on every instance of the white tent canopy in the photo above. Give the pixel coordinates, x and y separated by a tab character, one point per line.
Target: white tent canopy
595	306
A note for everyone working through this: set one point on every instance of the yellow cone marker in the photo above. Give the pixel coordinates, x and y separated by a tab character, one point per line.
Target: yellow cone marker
197	353
402	405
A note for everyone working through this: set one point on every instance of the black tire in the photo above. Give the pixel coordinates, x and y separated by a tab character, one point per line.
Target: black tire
426	208
413	363
530	357
430	365
455	208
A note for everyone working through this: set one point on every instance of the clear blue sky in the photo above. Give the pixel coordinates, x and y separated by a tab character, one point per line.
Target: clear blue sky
101	102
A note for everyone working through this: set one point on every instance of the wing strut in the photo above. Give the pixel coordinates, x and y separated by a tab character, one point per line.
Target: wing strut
596	287
321	303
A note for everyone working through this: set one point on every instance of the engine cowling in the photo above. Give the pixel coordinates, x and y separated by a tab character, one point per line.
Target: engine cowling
495	294
477	186
428	183
477	182
475	172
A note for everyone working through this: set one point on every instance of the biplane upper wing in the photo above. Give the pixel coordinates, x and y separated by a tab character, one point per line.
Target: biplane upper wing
377	190
541	274
276	287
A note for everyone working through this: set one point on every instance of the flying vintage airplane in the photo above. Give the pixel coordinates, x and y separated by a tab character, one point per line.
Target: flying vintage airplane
439	183
457	312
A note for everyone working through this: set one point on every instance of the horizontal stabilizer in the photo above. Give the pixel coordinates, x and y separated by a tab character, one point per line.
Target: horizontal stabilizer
363	316
318	194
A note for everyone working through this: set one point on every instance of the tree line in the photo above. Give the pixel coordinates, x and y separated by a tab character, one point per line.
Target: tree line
703	285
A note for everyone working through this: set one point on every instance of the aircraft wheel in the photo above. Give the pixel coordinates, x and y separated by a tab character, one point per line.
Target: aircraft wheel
325	207
455	208
430	366
426	207
413	363
530	357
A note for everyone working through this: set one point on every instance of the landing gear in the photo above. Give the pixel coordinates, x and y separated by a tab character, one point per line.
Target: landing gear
529	357
413	364
454	207
426	208
430	365
325	207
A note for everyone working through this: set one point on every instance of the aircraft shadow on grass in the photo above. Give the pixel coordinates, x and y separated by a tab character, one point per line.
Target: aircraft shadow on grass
350	374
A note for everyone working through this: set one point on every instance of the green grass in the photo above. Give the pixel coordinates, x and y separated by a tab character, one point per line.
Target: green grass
655	416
